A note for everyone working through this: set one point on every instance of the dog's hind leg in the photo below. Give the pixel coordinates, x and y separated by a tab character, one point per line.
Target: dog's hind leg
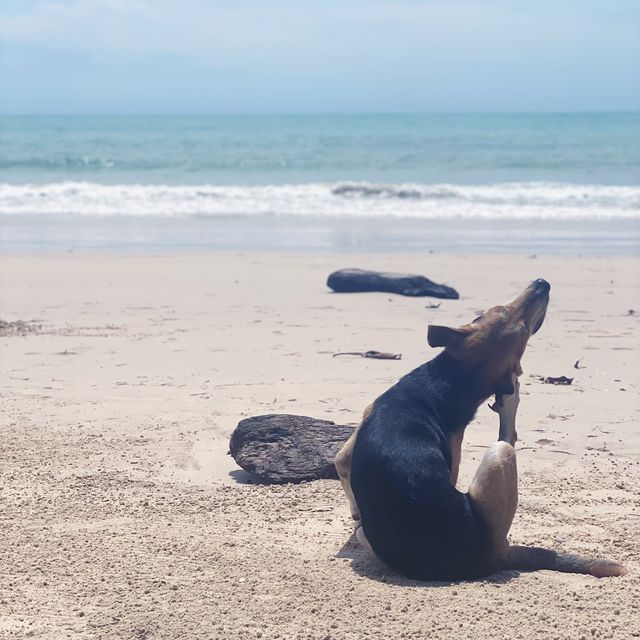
494	488
343	467
494	492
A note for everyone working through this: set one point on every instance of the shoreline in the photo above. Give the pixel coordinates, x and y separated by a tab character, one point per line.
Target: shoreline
318	235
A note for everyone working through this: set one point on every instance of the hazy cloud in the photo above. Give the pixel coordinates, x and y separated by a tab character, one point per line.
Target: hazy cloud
196	55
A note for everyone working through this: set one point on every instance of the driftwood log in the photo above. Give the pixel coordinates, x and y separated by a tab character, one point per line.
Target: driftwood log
358	280
286	448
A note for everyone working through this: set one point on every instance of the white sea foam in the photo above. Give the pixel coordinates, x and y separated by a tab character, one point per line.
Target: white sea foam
536	200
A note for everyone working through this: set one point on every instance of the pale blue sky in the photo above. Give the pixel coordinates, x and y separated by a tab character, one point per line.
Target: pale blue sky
212	56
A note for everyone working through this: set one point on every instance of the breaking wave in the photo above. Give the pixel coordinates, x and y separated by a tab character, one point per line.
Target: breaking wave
346	199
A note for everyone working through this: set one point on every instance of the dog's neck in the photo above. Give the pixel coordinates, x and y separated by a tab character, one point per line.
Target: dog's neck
451	392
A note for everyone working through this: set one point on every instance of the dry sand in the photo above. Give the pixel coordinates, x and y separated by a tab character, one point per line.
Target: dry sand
122	517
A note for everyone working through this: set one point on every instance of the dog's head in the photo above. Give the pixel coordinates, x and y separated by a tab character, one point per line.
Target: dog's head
492	345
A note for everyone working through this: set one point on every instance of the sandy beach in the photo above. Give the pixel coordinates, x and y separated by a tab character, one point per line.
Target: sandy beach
122	516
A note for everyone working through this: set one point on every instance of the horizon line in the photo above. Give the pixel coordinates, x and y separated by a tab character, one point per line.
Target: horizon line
316	113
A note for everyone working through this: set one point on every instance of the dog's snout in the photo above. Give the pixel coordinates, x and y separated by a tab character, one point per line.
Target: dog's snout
541	285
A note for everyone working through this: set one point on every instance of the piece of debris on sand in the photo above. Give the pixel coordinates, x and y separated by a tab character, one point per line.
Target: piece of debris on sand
376	355
17	328
279	448
556	380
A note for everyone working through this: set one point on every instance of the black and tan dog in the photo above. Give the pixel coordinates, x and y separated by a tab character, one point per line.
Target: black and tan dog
400	467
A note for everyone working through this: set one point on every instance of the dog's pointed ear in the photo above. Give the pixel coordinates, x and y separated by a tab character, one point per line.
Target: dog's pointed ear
439	336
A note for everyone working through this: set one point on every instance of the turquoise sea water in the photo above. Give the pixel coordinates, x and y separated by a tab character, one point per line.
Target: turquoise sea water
62	177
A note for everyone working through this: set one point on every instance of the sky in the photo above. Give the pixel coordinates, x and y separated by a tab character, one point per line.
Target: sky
286	56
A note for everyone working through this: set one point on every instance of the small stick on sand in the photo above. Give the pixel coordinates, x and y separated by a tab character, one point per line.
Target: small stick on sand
377	355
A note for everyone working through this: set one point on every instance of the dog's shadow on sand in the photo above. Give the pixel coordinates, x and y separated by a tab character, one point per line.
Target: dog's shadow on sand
368	566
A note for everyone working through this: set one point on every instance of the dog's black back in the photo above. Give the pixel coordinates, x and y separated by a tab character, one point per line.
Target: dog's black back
413	517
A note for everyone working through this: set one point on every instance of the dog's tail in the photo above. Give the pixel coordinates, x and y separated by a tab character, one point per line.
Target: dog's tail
535	558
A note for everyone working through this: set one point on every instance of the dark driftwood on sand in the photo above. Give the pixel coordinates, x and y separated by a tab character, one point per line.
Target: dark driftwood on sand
285	448
558	380
358	280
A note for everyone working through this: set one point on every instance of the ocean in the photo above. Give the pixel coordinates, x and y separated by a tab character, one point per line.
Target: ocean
560	183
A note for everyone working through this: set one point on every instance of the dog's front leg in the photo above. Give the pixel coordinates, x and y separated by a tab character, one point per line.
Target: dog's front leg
507	411
343	467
